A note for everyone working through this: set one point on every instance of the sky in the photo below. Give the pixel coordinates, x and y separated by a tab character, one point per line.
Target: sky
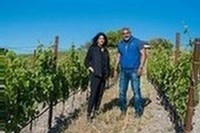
25	22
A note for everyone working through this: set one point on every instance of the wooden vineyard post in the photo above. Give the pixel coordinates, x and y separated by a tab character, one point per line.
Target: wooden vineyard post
196	70
193	85
51	94
177	47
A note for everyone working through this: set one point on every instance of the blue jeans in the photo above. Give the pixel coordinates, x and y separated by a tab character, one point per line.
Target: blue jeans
125	76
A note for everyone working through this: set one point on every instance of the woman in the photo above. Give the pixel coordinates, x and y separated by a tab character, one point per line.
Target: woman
97	61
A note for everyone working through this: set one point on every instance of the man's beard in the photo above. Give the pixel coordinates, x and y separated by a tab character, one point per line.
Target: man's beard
126	39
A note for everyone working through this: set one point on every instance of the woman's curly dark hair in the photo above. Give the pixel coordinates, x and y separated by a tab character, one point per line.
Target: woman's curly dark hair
94	40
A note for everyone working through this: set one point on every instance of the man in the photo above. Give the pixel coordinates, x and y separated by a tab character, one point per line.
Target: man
131	58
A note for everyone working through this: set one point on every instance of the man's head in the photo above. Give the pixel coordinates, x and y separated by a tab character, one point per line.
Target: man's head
126	34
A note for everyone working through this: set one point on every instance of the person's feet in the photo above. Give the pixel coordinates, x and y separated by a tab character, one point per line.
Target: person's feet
122	115
89	118
95	113
139	113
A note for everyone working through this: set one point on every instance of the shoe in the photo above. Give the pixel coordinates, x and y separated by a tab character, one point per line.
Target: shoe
95	113
89	119
122	115
138	114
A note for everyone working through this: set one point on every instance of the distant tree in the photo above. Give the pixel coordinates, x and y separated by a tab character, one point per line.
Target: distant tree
161	43
113	38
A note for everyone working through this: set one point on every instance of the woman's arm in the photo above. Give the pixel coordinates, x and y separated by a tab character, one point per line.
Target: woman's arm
109	69
88	60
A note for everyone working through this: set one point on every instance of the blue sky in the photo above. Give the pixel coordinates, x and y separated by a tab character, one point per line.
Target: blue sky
23	22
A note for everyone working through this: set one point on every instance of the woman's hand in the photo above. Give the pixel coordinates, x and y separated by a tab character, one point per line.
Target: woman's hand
91	69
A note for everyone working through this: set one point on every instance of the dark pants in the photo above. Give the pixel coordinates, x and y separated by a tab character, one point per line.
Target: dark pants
97	86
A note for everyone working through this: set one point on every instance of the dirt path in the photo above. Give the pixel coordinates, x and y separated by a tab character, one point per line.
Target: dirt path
154	120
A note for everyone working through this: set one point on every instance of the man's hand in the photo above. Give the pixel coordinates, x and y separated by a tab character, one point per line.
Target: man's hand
91	69
140	71
115	73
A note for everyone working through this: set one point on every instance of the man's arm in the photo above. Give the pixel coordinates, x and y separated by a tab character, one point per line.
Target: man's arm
143	57
142	61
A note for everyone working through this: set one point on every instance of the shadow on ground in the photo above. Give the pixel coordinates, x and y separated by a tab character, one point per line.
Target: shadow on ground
63	122
114	102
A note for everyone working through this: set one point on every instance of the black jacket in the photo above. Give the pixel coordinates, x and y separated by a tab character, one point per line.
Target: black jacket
99	61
